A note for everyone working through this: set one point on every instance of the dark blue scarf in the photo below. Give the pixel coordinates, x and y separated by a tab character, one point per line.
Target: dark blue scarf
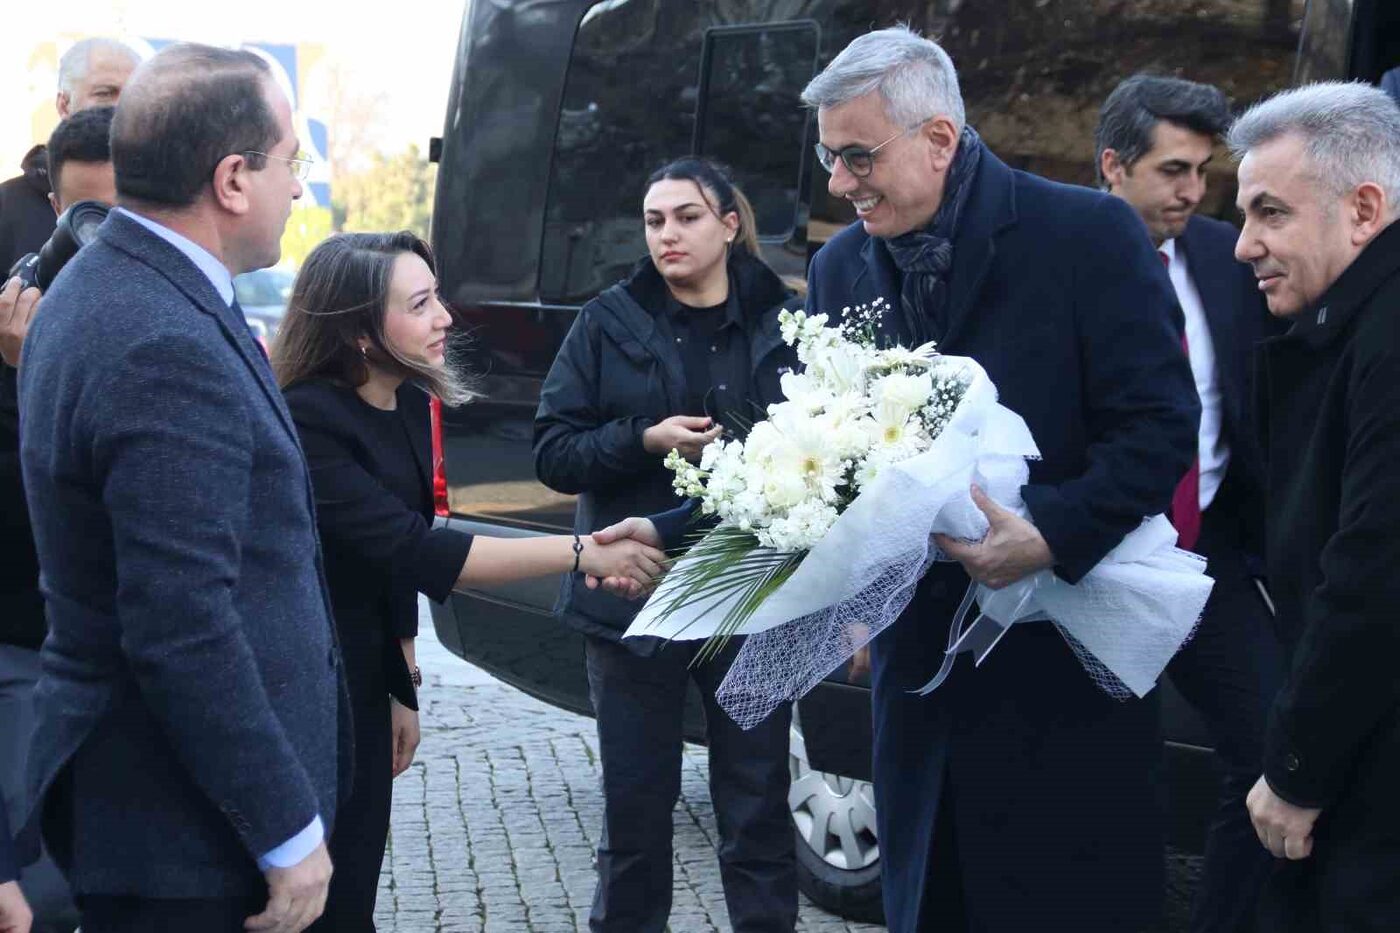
925	257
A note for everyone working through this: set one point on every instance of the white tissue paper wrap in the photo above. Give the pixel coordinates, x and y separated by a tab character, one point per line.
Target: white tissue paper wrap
1125	619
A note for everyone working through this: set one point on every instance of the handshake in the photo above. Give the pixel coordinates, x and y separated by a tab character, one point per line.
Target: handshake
627	559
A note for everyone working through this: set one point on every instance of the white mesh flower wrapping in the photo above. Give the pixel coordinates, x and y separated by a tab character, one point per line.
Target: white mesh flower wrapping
1125	619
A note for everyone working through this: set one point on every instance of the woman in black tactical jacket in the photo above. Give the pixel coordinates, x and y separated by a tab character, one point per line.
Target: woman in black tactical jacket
684	350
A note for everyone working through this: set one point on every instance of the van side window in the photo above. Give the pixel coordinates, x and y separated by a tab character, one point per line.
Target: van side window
751	115
628	105
650	81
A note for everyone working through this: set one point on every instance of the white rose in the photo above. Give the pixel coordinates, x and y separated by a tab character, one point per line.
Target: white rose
907	392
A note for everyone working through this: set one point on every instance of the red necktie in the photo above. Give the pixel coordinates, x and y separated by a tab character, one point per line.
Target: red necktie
1185	512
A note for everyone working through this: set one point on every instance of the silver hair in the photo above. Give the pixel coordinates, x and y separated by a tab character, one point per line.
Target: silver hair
915	77
73	66
1350	130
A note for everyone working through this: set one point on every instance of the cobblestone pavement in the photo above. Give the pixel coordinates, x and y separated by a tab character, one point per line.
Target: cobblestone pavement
495	823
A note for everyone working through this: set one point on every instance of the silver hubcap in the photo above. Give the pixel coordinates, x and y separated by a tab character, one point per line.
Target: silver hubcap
835	815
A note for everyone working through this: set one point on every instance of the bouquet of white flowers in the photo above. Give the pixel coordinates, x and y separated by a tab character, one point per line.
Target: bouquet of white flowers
851	412
825	513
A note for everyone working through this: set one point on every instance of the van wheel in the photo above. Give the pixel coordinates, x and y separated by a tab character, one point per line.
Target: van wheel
838	856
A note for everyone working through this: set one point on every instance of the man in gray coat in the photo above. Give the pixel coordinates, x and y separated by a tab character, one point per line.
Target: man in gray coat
189	745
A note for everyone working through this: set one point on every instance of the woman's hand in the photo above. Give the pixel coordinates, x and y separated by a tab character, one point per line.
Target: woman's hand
404	725
687	433
626	559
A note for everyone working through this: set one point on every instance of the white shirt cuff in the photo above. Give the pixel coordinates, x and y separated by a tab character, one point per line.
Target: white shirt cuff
295	849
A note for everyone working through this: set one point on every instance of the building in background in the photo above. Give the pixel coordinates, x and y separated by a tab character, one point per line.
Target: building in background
294	67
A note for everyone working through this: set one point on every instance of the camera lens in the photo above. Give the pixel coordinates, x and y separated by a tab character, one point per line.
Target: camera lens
76	228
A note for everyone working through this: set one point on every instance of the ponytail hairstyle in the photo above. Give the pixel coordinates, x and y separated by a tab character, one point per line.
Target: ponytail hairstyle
720	193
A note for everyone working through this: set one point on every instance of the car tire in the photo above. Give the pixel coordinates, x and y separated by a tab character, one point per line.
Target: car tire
838	855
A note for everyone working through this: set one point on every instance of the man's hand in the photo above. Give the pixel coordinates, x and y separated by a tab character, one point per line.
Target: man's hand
1012	549
295	896
1285	830
687	433
638	529
404	724
15	916
17	310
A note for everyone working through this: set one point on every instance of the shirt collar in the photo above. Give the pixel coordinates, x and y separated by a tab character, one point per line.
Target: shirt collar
1168	248
733	311
215	271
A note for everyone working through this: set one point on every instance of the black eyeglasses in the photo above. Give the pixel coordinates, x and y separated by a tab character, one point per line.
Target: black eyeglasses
859	160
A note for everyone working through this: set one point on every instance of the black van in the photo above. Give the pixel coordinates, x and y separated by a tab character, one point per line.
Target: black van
558	111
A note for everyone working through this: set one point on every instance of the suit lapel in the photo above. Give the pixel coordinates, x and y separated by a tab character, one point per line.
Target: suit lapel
990	208
877	278
417	422
1212	280
141	244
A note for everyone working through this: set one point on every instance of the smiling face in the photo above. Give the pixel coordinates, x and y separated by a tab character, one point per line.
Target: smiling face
415	321
688	240
1165	185
1298	236
905	185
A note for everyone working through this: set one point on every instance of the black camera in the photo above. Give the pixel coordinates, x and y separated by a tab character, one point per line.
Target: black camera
76	228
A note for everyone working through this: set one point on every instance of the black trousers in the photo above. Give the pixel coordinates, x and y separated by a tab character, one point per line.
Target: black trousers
114	914
361	828
639	702
1229	672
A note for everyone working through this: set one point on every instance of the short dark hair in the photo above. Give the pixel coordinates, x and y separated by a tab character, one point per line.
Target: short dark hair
83	137
183	111
1138	104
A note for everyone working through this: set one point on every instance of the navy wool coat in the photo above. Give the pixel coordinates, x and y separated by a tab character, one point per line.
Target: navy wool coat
1019	796
191	712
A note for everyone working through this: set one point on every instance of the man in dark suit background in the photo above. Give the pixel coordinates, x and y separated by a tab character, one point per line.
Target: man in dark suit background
188	749
1154	142
1018	795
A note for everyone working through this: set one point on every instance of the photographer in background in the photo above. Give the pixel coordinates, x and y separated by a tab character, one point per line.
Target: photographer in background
90	74
80	166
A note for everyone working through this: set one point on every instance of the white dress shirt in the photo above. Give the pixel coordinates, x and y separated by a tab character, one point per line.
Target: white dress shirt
1214	451
305	842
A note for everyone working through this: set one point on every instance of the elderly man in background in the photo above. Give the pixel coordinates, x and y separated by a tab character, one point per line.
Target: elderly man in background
90	74
1319	187
1018	796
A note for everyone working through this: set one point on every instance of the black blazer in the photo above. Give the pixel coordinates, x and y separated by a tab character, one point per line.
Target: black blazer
1238	319
191	691
1330	427
381	550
